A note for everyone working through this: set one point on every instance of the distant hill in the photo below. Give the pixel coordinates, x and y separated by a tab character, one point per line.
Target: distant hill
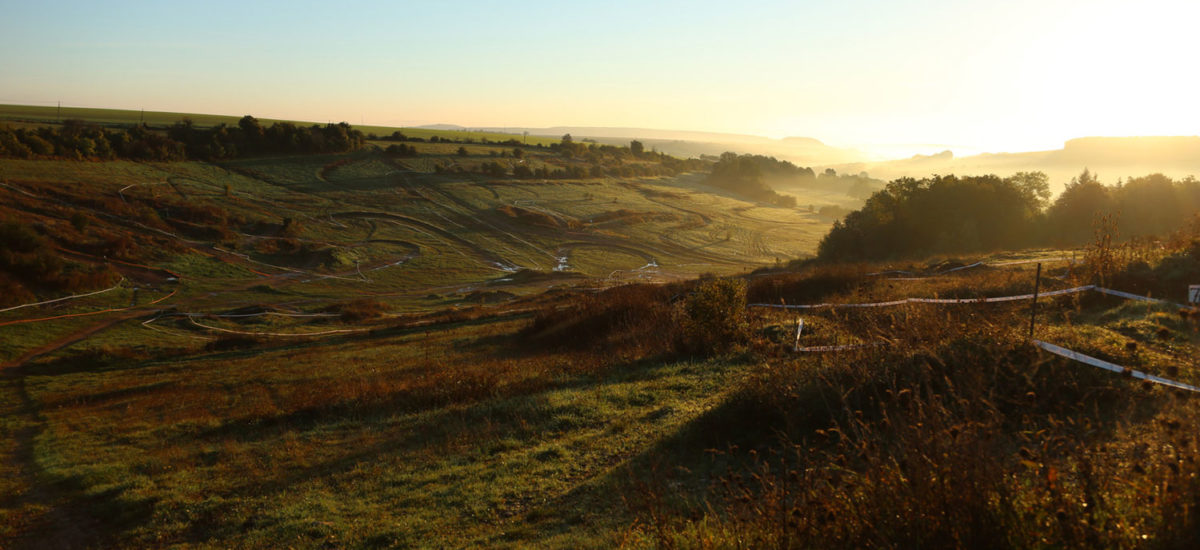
1109	157
805	151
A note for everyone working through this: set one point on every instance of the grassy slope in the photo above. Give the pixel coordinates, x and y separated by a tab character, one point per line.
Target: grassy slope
149	433
413	233
322	441
448	430
461	434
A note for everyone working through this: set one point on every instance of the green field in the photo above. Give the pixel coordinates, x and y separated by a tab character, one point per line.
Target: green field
358	350
257	260
32	115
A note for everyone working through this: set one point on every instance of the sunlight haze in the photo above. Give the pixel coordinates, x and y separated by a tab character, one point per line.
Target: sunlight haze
881	76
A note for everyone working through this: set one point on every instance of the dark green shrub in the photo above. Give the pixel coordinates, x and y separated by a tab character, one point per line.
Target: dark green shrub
715	315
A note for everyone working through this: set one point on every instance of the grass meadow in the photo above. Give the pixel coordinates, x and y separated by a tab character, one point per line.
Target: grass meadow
361	351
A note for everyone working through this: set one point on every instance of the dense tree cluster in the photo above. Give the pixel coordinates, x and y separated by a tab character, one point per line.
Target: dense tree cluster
401	150
581	161
746	175
1146	206
948	214
251	138
856	185
913	217
758	176
770	167
79	140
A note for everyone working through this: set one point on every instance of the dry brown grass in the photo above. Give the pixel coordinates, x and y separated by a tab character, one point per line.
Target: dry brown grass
956	434
963	437
630	320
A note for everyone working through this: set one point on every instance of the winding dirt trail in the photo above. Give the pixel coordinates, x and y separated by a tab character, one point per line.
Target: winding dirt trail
565	249
77	336
482	254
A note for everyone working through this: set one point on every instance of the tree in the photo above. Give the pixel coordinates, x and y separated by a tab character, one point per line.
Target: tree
251	129
494	169
1034	186
1071	216
941	214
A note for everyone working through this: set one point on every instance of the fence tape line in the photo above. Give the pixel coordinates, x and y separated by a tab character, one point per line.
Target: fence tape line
951	270
932	300
1089	360
840	348
260	314
72	297
1139	298
914	277
961	267
287	334
1033	261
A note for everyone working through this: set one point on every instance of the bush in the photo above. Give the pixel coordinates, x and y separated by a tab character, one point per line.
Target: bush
635	320
715	316
364	309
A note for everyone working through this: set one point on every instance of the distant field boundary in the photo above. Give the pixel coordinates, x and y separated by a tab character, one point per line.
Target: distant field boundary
49	114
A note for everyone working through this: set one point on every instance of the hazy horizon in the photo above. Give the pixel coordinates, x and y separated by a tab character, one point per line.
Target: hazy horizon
870	75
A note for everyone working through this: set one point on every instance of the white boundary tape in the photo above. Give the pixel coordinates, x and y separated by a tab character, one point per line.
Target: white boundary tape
962	267
1089	360
288	334
840	348
72	297
260	314
1056	349
931	300
1139	298
1033	261
1049	294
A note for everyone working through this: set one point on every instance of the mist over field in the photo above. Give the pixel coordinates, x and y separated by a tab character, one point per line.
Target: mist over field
599	275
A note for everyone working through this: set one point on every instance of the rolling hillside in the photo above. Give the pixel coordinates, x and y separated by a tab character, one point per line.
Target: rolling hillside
414	347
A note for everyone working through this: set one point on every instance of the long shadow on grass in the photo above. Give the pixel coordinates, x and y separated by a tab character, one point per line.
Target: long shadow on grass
75	517
1054	399
419	400
95	362
488	428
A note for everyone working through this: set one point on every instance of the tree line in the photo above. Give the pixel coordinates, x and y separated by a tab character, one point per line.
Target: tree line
951	214
577	160
80	140
757	176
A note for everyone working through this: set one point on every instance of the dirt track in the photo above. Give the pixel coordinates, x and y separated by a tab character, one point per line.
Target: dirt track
481	253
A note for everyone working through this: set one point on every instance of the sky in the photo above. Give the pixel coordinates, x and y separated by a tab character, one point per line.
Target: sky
925	75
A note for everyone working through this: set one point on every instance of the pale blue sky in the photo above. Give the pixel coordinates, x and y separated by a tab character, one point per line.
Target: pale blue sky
992	75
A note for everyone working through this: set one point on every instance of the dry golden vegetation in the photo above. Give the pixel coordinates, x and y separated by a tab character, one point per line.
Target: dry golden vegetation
355	351
957	433
641	415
